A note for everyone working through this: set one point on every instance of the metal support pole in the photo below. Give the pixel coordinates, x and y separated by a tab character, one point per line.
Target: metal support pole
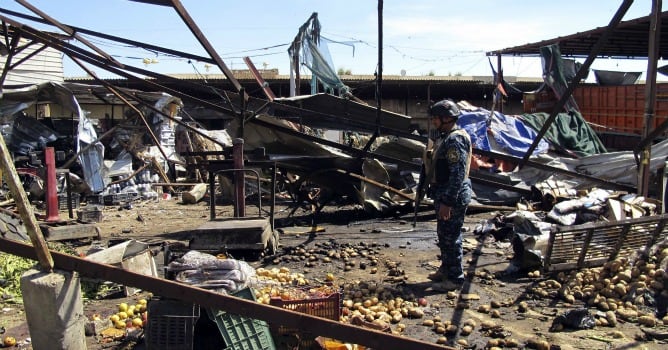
51	190
212	194
499	81
239	184
663	194
68	184
650	97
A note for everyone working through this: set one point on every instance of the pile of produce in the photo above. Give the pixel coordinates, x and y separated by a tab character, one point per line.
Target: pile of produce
283	284
128	315
631	289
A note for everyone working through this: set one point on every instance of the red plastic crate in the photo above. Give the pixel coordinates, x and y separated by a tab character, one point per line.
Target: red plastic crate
327	307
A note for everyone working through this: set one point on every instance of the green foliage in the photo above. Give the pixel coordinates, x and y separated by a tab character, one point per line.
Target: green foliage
12	267
93	290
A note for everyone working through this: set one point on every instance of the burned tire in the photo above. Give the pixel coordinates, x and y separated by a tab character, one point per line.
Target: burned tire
11	227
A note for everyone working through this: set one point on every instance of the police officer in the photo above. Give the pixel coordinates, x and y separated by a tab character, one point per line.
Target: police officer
447	170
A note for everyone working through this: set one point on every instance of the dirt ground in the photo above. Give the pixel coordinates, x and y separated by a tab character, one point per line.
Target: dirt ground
498	304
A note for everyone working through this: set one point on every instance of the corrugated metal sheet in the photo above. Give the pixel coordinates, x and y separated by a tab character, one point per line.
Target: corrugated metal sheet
630	39
272	74
620	108
46	66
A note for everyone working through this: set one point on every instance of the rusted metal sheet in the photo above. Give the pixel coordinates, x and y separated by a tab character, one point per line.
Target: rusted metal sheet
271	314
354	151
537	165
593	244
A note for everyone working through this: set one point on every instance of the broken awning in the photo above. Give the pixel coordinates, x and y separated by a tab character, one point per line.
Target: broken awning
569	131
350	115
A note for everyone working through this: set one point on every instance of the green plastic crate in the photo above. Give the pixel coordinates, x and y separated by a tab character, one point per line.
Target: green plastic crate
242	333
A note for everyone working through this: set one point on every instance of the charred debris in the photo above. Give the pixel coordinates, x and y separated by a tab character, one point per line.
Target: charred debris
328	148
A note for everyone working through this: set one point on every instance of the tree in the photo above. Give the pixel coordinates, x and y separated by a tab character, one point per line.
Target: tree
342	71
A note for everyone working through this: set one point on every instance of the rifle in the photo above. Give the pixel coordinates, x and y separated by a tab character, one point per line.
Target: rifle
419	194
423	174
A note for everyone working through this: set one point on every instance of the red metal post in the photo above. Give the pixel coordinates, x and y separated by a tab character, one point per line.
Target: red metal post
240	188
51	190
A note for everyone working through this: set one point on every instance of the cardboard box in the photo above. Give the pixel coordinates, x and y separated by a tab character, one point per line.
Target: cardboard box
131	255
619	210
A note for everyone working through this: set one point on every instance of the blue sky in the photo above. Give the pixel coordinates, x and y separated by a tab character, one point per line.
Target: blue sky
443	37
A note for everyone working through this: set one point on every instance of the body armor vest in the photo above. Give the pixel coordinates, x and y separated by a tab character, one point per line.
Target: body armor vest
431	155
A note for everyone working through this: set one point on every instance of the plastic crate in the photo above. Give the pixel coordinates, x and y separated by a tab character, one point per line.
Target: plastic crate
327	307
171	324
89	215
111	199
118	198
62	201
242	333
130	196
95	199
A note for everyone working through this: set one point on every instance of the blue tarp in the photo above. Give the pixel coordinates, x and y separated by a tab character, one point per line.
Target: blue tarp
509	135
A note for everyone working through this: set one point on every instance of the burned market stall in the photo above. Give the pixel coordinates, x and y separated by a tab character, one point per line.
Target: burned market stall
322	149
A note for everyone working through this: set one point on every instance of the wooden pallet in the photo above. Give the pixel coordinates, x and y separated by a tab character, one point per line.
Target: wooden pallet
592	244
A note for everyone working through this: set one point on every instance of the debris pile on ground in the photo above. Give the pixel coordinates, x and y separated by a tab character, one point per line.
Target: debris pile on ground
529	228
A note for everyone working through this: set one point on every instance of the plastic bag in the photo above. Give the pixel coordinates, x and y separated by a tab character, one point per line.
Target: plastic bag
574	319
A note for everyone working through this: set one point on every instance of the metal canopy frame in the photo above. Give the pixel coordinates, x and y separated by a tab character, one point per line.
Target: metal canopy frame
637	38
254	105
235	104
629	40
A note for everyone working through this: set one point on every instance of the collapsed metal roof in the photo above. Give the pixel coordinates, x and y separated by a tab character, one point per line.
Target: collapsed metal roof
629	40
327	111
638	38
